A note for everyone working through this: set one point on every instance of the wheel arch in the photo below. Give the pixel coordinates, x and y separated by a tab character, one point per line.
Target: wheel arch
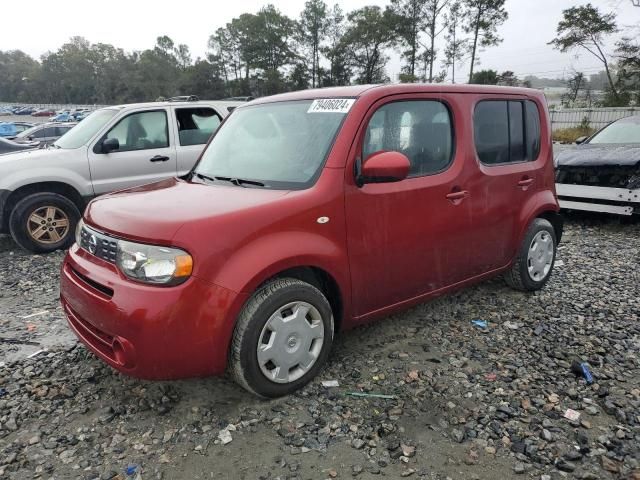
60	188
323	281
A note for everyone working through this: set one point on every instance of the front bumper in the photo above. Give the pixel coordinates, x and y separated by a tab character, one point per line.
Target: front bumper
148	331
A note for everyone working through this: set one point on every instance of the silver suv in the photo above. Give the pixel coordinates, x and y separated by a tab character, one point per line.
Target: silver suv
43	192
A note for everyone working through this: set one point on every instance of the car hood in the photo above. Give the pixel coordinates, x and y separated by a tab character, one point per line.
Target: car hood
30	154
155	212
599	155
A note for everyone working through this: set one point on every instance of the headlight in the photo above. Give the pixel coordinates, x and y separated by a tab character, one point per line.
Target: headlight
79	231
153	264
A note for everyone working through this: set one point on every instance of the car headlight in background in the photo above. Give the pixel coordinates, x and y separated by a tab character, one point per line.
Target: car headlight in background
153	264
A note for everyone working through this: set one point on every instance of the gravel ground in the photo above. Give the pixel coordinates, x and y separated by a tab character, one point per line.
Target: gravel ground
467	403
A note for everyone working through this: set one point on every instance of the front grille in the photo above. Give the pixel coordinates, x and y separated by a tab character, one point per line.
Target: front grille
99	244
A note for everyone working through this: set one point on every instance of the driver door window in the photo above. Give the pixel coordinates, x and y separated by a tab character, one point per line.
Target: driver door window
141	131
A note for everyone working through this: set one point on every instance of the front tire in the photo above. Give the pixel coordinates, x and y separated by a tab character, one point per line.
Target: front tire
534	263
44	222
282	338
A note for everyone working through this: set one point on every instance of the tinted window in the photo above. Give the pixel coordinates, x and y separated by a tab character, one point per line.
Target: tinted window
532	116
516	132
195	125
419	129
39	133
141	131
506	131
491	131
50	132
61	131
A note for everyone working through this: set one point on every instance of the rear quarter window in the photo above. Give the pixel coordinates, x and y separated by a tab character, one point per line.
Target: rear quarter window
506	131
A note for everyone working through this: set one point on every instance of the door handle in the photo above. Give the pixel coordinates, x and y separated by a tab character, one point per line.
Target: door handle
525	182
159	158
457	196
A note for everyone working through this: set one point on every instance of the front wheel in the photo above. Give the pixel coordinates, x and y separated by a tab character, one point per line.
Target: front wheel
44	222
282	339
534	263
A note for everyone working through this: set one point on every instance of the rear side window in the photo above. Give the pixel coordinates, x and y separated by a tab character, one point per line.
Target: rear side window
195	125
506	131
420	129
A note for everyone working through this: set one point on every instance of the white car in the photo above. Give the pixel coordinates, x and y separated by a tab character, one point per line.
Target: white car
43	192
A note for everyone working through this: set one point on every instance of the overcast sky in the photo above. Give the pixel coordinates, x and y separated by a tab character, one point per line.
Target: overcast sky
135	24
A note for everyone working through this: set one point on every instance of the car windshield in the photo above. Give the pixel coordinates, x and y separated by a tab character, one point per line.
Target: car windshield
622	131
281	145
85	130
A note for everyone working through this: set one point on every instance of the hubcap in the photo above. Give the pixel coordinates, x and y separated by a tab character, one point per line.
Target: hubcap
540	256
48	225
290	342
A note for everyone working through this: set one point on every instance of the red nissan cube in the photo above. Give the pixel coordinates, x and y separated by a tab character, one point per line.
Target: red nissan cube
309	213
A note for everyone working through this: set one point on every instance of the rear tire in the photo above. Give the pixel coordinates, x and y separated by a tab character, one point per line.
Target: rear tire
282	338
533	266
44	222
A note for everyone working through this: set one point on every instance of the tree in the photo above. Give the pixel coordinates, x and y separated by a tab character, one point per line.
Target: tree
485	77
482	20
183	55
628	56
313	23
408	20
584	27
508	78
434	9
336	49
370	32
456	46
575	85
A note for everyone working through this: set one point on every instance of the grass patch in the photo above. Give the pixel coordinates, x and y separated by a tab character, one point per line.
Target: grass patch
569	135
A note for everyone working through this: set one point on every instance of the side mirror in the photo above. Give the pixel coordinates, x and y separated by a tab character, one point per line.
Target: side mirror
580	140
109	145
384	167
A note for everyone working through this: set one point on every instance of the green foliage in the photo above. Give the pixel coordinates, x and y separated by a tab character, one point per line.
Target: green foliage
369	34
482	18
584	27
313	23
485	77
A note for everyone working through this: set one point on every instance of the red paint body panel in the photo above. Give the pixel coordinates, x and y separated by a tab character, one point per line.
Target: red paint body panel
386	246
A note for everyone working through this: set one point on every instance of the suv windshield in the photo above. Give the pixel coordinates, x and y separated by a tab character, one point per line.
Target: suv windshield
622	131
86	129
281	145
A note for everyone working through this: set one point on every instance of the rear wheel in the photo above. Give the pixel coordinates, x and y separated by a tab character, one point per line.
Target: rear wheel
44	222
534	264
283	337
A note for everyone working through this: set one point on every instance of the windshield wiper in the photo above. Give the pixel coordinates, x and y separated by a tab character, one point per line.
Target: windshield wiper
204	177
240	182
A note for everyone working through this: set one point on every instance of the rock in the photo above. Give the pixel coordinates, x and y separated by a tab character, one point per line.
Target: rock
358	443
519	468
546	435
458	435
609	465
565	466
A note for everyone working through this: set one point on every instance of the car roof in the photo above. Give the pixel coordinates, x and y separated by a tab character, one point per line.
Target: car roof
199	103
357	91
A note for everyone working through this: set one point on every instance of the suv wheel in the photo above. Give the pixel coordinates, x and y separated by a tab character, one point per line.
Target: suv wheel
283	337
534	264
44	222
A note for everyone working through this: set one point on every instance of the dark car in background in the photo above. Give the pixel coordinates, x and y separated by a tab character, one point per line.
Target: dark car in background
9	146
45	133
602	173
